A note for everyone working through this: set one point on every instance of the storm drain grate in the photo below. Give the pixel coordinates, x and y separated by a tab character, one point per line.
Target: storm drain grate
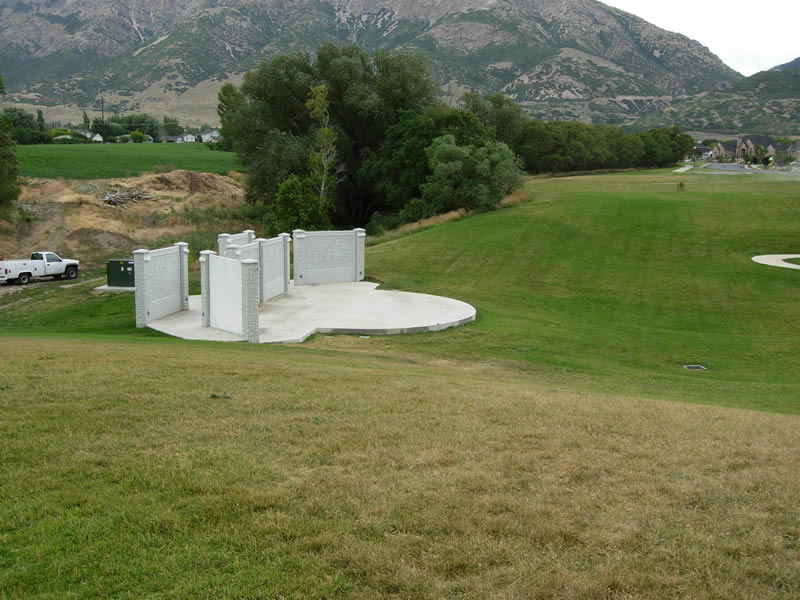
695	367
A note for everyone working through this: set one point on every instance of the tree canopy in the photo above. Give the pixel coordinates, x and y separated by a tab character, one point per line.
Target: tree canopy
9	171
274	131
365	136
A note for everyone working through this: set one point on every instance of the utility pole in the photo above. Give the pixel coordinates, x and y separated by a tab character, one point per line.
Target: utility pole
103	118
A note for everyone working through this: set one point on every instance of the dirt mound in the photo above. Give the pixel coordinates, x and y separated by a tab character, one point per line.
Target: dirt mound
99	238
187	182
70	216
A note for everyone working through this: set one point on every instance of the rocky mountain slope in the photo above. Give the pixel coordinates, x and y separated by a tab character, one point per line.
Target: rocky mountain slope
790	66
768	101
574	59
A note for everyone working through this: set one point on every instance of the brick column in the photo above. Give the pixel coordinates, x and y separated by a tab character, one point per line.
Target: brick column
141	278
205	286
250	295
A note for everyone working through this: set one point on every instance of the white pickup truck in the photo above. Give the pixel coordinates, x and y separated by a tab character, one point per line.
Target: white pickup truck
40	264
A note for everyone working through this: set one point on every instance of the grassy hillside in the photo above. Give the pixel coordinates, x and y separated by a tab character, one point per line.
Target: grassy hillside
614	282
529	454
102	161
169	469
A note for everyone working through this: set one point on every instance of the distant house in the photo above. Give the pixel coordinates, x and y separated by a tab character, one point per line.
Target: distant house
725	150
211	136
745	147
97	138
702	152
748	144
184	138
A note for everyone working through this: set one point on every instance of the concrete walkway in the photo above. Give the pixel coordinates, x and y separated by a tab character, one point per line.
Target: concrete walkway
331	308
777	260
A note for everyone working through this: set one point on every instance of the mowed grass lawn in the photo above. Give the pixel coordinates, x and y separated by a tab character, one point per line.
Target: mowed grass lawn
553	449
614	282
104	161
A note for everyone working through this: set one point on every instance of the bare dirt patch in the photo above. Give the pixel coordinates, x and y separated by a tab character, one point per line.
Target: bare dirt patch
71	217
89	238
185	183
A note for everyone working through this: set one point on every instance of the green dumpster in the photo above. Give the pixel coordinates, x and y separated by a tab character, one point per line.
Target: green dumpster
120	272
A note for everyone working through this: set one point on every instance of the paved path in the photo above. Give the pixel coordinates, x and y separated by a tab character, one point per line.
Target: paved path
729	168
777	260
684	169
332	308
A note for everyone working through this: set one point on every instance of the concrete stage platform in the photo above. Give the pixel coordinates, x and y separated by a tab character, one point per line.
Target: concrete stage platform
777	260
330	308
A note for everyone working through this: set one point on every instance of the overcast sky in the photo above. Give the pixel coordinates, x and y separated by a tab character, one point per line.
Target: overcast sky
749	36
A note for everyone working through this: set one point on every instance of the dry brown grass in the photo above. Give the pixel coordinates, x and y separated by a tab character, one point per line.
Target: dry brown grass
401	479
71	217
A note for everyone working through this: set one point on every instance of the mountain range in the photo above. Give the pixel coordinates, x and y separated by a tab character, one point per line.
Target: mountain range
564	59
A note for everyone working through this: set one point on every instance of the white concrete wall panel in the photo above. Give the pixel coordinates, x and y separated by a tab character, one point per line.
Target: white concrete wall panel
248	251
240	239
328	256
274	266
225	294
162	286
165	283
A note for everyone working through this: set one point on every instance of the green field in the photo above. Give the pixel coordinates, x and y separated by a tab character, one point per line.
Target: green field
555	448
104	161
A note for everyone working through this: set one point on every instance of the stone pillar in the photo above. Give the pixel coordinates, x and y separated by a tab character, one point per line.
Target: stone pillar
299	244
183	262
361	238
223	240
205	286
141	278
250	295
287	265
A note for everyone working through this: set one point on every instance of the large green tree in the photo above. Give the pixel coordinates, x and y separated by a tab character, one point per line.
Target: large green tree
471	177
9	172
397	171
142	122
273	131
20	118
171	126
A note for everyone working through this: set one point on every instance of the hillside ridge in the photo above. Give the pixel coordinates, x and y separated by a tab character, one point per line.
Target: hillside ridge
577	59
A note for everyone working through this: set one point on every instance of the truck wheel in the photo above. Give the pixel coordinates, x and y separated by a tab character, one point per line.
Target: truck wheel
24	279
71	272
